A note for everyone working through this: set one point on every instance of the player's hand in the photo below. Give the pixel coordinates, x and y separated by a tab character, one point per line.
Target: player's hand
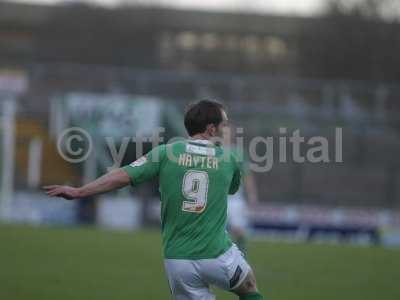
66	192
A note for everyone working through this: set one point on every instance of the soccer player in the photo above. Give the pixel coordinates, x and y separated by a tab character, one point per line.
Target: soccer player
195	176
247	195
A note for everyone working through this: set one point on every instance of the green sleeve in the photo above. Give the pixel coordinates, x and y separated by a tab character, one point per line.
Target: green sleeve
147	167
237	177
235	183
242	163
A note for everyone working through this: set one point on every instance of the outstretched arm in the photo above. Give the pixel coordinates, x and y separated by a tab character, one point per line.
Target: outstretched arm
111	181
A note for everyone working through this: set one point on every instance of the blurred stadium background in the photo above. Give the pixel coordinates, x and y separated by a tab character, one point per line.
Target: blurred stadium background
326	230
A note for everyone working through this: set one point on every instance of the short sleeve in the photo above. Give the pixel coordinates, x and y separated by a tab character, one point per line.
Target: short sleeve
235	183
243	164
237	177
147	167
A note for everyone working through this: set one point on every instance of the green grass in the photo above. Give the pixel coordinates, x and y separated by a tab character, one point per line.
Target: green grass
85	264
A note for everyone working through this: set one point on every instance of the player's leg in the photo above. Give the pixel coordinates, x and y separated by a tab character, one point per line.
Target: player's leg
231	272
248	289
185	282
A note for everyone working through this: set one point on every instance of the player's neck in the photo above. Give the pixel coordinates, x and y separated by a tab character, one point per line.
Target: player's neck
201	136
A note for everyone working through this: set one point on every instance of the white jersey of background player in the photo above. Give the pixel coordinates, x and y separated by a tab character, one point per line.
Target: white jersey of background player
238	204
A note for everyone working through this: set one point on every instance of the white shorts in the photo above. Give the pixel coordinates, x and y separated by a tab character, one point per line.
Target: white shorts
191	279
237	211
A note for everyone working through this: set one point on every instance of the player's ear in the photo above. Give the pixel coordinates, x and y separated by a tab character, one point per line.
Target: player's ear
211	130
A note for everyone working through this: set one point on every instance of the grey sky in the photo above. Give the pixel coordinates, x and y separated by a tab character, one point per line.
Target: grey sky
300	7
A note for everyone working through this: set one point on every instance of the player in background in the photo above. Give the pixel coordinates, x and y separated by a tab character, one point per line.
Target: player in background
195	177
247	195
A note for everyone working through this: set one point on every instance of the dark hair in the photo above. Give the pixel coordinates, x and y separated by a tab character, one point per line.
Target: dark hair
200	114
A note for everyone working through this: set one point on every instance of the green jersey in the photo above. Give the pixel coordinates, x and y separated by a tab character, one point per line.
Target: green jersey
195	178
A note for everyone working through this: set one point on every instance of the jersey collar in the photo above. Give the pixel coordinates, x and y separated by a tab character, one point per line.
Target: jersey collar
201	142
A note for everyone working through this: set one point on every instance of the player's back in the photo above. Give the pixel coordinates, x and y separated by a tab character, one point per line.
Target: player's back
195	179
